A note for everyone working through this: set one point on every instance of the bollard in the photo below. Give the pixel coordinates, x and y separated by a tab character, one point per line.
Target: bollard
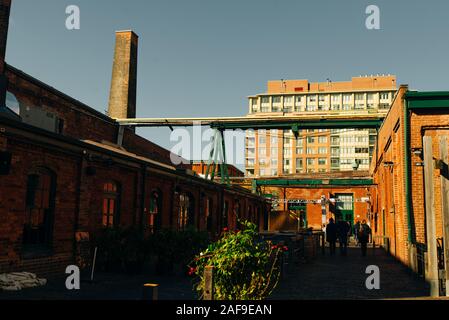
150	291
208	283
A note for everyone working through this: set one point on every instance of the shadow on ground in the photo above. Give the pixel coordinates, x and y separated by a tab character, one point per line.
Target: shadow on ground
343	277
327	277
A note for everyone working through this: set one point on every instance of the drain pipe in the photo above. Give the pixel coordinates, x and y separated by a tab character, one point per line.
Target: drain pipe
407	171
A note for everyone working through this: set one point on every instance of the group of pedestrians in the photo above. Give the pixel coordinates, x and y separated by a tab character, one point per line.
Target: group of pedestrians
342	230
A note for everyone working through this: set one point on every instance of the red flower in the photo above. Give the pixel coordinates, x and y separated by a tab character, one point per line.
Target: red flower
192	271
225	229
274	247
285	248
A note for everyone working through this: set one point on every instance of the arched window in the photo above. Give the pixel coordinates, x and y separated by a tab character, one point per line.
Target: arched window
40	207
186	211
111	204
154	212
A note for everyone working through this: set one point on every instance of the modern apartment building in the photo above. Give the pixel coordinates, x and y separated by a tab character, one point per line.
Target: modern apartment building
278	152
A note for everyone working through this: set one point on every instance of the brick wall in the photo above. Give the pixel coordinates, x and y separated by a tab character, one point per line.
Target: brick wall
281	220
390	200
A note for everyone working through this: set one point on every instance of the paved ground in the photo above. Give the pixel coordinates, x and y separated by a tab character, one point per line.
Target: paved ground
326	277
343	277
108	286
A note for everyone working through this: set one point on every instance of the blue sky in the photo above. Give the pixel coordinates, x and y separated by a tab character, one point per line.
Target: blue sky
203	57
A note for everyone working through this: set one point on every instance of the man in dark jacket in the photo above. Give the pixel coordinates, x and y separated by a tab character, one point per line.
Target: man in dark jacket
343	231
331	235
363	235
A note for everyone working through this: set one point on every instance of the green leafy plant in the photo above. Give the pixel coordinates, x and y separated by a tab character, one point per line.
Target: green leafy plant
244	267
171	246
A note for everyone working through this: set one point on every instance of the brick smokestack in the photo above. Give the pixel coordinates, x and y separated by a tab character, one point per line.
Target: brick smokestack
5	8
122	97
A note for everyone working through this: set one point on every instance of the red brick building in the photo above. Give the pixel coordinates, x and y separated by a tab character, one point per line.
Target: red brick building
298	202
200	167
66	169
407	209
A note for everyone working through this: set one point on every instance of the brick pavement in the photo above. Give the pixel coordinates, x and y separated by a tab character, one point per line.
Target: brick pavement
326	277
343	277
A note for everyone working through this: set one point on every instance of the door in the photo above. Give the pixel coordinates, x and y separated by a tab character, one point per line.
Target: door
344	208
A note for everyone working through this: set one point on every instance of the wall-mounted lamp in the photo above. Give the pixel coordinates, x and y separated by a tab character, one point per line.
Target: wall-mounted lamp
388	163
419	164
417	152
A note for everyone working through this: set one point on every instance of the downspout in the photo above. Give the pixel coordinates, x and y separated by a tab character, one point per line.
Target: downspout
407	172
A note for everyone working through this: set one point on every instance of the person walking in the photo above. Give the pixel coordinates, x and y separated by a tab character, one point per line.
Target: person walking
356	232
343	231
363	235
331	235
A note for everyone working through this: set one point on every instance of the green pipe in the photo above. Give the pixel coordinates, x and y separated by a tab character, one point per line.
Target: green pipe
407	172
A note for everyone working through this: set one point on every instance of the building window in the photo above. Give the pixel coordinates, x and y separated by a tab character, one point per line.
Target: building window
310	161
322	139
384	96
310	150
262	140
299	163
335	162
40	207
110	211
153	219
299	150
274	151
312	98
359	97
310	139
335	107
262	151
335	151
322	161
274	162
347	97
335	140
277	99
186	211
322	150
288	100
311	107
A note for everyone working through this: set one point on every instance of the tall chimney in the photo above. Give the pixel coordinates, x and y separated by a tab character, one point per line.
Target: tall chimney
122	97
5	8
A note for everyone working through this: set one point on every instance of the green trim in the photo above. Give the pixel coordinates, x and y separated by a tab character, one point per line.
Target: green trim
427	100
304	124
314	182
